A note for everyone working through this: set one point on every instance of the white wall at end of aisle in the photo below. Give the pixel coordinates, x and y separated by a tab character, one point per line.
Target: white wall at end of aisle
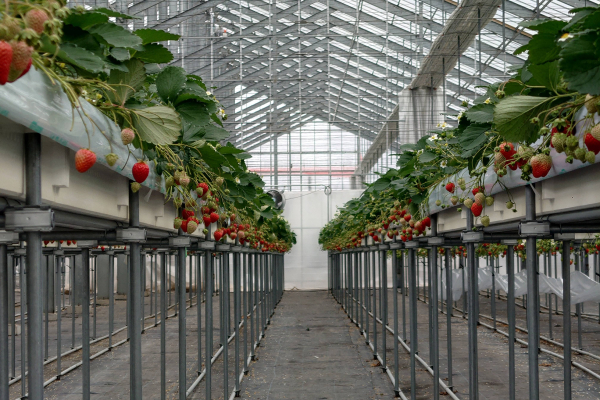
306	264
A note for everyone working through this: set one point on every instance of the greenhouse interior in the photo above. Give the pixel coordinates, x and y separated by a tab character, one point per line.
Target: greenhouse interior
310	199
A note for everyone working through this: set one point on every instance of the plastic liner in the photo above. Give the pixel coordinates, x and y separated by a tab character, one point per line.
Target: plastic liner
582	287
34	102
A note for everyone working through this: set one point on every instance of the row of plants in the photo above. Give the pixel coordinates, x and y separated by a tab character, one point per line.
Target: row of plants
170	121
544	114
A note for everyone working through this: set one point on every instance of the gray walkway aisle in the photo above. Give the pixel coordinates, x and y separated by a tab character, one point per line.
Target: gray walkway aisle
313	351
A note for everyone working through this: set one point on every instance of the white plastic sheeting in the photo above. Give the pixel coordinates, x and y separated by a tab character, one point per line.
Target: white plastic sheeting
582	287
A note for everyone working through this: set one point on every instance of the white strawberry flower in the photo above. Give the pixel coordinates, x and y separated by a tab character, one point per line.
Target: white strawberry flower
208	93
237	180
565	36
443	164
460	115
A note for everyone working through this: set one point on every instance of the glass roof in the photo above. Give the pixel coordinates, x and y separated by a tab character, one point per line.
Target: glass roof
310	69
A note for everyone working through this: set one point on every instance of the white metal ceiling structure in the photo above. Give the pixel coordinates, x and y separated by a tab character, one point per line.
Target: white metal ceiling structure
314	88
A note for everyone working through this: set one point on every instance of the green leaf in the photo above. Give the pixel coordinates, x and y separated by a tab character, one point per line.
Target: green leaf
115	35
427	156
169	82
214	133
193	94
548	74
158	124
120	53
112	13
154	53
193	115
81	58
512	117
86	20
155	35
212	157
380	184
580	63
229	149
472	138
126	83
216	119
256	180
481	113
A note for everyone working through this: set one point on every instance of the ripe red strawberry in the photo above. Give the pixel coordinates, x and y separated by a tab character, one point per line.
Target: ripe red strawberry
426	222
5	61
204	187
450	187
140	171
185	213
21	59
592	143
540	165
218	235
233	235
127	136
507	150
407	217
214	217
191	227
184	225
84	159
242	235
476	209
35	19
206	219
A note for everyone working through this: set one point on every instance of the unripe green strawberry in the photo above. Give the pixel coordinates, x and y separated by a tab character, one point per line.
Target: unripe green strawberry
485	220
461	181
479	198
127	136
219	181
35	19
590	157
595	131
184	180
111	159
489	201
9	28
509	204
438	203
135	186
499	159
468	203
177	202
580	154
559	140
454	200
177	223
169	182
591	103
572	142
177	176
191	227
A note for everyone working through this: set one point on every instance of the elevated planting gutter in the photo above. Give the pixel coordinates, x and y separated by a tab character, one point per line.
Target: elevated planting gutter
35	103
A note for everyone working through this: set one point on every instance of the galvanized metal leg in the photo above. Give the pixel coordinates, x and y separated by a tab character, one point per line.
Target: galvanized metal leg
182	322
46	306
236	319
404	293
413	289
549	261
111	298
435	357
24	306
73	302
85	324
375	268
367	295
208	336
395	294
156	306
35	359
135	293
579	306
510	270
493	298
199	311
4	310
95	280
566	275
59	266
533	299
246	311
163	328
384	308
225	322
448	265
11	307
472	322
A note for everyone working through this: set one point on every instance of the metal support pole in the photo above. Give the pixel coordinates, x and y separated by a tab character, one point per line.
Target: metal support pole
367	295
246	310
473	295
111	298
135	303
532	299
59	266
181	258
510	270
225	322
85	323
448	266
566	275
199	311
396	356
375	265
412	285
163	328
384	308
35	354
435	356
236	319
4	310
208	320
